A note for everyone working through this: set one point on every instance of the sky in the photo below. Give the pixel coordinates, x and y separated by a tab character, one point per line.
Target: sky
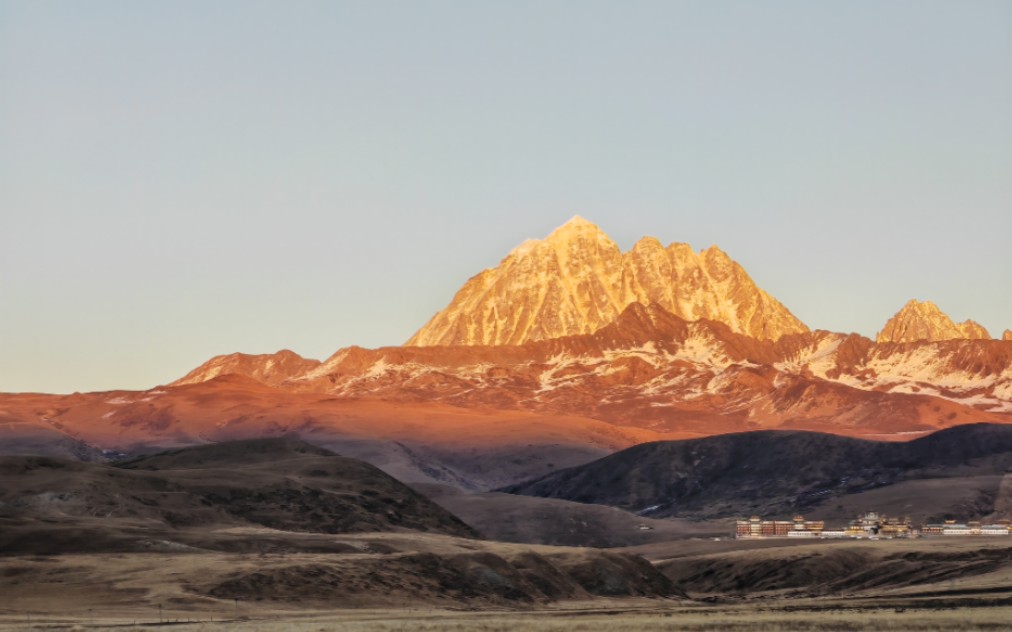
184	179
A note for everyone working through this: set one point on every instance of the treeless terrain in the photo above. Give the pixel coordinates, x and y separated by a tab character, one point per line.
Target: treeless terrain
915	569
279	534
915	585
532	520
415	442
958	473
269	520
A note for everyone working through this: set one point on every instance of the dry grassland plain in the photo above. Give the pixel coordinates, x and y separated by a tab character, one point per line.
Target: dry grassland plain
970	590
593	618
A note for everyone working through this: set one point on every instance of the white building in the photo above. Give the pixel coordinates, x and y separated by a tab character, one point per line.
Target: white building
795	533
957	529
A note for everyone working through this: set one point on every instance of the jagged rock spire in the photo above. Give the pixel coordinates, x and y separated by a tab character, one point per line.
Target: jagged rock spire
577	280
919	320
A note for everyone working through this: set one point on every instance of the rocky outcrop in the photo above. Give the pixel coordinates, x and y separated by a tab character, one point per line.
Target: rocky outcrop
647	372
973	330
652	369
577	280
1007	335
269	368
924	321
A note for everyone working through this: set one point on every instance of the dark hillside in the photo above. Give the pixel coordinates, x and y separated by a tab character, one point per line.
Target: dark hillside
240	454
769	472
52	505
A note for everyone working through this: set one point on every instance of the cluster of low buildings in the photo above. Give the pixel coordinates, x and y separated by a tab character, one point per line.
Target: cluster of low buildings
951	527
871	525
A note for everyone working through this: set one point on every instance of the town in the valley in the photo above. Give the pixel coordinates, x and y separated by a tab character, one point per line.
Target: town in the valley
871	525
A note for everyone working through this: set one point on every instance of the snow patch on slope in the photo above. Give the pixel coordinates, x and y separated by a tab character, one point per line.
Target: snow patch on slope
819	359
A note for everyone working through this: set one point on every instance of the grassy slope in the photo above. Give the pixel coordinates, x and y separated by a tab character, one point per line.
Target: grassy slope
779	473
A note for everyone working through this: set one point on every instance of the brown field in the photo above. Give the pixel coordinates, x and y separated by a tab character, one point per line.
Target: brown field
928	584
579	618
220	537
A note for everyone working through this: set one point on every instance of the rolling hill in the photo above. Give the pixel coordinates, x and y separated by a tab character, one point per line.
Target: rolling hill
57	505
786	472
324	529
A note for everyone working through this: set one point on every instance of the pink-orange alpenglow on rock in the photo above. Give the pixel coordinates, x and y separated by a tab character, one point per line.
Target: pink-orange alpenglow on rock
923	321
577	280
269	368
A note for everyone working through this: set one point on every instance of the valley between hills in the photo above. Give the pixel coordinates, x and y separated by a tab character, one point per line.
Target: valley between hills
573	435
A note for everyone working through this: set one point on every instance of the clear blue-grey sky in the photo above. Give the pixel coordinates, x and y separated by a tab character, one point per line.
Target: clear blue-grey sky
183	179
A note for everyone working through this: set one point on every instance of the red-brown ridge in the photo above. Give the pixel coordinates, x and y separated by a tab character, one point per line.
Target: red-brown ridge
575	365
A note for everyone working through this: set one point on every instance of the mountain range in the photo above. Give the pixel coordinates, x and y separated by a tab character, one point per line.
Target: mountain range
566	351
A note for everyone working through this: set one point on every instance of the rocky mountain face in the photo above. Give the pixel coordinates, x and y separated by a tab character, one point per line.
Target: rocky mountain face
268	368
654	370
484	416
1007	335
663	339
577	281
925	321
568	350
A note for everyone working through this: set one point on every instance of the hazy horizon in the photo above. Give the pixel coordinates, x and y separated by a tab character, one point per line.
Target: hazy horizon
187	179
